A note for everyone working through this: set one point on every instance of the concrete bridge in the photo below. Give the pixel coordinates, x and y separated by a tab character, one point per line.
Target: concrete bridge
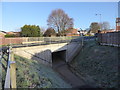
56	55
46	53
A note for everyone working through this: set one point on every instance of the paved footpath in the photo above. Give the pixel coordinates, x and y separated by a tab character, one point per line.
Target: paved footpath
67	75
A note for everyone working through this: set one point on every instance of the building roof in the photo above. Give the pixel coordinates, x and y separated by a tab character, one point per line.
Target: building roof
72	31
2	34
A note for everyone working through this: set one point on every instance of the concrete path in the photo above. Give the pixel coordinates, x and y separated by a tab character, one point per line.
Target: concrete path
63	69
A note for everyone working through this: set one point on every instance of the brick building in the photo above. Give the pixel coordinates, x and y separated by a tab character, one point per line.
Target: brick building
17	34
72	32
117	24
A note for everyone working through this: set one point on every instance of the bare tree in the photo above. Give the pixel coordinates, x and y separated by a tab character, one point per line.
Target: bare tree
43	29
94	27
59	20
105	26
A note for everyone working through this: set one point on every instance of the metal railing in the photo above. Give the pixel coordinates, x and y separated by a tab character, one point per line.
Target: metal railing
37	40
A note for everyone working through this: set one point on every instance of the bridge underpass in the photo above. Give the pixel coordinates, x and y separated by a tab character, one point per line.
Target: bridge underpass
58	58
60	65
57	55
43	53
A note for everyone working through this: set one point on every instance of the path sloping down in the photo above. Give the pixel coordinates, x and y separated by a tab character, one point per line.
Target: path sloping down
62	68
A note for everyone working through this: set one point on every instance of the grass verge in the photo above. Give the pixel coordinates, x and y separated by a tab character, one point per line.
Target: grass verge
32	74
99	63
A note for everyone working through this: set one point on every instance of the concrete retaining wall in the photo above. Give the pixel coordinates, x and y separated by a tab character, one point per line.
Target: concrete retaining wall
72	51
43	53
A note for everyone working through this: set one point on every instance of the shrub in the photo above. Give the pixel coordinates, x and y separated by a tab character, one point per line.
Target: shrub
9	35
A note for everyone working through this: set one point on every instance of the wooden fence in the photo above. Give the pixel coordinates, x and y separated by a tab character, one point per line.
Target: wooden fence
111	38
10	77
0	69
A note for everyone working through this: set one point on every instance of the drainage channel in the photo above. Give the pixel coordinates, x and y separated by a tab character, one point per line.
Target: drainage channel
59	65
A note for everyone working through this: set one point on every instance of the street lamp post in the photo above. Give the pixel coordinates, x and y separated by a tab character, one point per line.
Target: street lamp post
100	20
81	34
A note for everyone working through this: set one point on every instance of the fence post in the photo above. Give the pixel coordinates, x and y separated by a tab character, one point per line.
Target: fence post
7	78
12	71
0	69
119	39
82	41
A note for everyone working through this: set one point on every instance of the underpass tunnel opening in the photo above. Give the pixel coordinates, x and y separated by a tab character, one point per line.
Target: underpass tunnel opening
59	56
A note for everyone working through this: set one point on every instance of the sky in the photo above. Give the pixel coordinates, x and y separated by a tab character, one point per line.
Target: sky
17	14
60	0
